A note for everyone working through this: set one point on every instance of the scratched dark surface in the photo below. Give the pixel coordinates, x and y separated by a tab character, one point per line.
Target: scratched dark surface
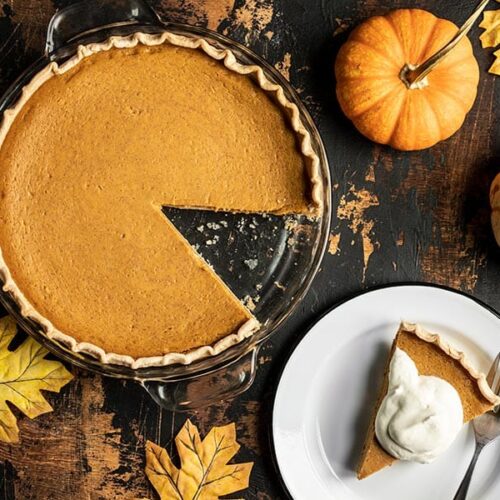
419	216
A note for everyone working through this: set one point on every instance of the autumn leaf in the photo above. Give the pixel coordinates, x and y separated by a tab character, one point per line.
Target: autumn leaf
204	473
491	36
491	26
495	67
23	374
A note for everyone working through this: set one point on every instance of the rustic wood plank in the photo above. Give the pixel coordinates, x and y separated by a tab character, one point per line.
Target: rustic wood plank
405	216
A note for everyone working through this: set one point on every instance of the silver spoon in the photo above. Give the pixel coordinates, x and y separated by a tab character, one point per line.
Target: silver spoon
486	429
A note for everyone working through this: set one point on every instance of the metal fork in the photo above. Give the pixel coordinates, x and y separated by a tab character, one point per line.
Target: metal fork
486	429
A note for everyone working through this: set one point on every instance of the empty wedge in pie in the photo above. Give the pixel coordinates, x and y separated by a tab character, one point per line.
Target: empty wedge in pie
89	155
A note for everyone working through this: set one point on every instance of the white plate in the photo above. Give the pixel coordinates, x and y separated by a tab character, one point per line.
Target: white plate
329	385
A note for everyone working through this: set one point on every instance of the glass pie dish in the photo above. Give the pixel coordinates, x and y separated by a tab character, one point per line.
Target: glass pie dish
268	261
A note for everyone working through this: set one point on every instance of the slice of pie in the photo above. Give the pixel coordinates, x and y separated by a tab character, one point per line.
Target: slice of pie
89	155
434	357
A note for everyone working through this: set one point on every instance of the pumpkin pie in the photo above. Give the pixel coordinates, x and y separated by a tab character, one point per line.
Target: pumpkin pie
89	155
433	357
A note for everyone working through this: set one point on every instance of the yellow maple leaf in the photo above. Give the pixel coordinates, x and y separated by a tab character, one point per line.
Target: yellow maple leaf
204	473
491	25
495	67
23	374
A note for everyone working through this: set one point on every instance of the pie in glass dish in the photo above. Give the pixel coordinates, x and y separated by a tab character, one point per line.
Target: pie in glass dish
90	153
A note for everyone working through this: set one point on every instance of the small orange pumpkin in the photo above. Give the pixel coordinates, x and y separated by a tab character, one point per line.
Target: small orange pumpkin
495	207
372	90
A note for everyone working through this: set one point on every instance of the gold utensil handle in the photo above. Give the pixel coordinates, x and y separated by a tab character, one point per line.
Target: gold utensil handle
414	75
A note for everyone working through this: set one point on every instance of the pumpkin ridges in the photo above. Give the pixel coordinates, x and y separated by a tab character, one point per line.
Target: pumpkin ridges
413	129
370	63
445	80
372	100
460	66
382	131
402	17
460	62
466	105
396	124
432	109
394	31
406	25
462	95
458	99
447	30
458	55
421	57
447	116
377	51
378	40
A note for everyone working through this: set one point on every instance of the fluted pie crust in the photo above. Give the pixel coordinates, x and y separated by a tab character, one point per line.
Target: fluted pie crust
432	356
279	191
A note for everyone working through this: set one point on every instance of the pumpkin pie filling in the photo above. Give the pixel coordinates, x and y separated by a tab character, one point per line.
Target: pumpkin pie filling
432	357
88	160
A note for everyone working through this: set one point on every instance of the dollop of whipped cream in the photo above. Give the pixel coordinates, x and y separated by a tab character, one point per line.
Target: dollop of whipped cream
420	416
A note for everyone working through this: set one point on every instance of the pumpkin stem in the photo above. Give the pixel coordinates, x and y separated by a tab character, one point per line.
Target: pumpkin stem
414	77
409	77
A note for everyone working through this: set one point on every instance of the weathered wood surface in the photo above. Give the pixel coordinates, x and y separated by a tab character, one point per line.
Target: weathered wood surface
397	217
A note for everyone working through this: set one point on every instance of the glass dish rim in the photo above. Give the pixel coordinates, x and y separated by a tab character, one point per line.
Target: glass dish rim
236	352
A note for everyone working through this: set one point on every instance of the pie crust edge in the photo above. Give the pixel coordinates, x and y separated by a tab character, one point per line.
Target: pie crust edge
437	340
230	62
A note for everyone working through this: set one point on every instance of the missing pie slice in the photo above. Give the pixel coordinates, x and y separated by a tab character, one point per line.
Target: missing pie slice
91	152
432	357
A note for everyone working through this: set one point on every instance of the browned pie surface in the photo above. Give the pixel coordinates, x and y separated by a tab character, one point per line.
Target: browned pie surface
430	360
87	165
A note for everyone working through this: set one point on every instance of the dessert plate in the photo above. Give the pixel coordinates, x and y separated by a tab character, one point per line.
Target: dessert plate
329	386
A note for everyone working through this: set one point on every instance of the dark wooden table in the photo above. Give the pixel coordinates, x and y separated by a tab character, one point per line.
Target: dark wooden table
420	216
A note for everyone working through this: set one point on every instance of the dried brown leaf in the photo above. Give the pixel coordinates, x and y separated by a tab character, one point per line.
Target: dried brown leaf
204	472
495	67
491	26
23	374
